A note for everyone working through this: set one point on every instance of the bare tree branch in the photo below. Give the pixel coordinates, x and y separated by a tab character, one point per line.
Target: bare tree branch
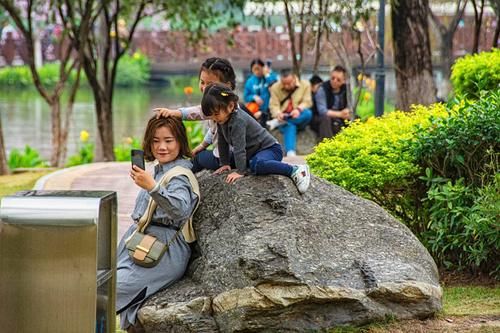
291	34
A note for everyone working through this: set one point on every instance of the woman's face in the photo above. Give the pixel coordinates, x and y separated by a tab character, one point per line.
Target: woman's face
207	78
258	70
166	147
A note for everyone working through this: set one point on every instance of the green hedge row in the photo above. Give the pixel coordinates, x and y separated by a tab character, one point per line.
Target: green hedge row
133	70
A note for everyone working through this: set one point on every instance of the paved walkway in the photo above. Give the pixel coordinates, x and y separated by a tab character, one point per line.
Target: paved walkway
109	176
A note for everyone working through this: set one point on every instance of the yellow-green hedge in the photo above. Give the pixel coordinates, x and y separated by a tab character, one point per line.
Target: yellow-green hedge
475	73
369	156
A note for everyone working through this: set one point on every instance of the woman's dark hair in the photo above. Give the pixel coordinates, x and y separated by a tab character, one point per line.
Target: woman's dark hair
176	127
217	97
222	68
256	61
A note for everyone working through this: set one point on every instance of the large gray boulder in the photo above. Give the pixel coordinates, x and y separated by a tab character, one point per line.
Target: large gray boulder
271	260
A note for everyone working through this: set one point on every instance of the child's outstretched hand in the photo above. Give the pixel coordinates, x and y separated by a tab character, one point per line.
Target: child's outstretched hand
231	178
164	112
222	169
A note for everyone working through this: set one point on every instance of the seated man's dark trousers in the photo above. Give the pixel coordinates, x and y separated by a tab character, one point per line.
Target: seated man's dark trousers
327	127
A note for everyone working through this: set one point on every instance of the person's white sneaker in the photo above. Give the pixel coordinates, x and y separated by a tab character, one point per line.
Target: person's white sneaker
291	153
302	178
273	123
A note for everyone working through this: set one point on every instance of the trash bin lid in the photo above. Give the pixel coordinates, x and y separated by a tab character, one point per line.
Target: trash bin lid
62	208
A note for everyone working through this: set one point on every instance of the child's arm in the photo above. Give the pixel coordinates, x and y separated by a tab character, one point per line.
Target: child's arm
185	113
239	146
209	137
202	146
223	146
166	112
207	141
239	151
192	113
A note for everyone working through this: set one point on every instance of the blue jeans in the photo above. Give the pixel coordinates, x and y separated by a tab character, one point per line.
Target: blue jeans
289	130
205	159
268	161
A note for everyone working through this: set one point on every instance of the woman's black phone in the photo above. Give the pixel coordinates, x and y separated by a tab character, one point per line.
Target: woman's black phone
137	157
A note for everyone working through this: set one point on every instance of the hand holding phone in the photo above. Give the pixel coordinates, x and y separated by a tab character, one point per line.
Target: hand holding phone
141	178
137	157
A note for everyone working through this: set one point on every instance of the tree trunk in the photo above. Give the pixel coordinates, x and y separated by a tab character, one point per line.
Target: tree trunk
69	114
319	34
103	96
478	21
497	33
412	53
55	116
4	169
291	35
37	46
446	61
446	34
105	132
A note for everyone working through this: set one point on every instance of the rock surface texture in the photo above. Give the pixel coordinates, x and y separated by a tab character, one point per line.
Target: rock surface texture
271	260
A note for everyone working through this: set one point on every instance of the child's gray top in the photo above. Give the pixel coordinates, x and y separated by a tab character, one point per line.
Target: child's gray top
246	136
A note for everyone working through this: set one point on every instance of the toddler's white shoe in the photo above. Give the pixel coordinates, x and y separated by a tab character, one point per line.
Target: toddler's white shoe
273	123
291	153
301	177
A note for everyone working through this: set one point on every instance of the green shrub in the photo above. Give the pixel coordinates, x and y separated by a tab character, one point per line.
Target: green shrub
463	231
29	158
464	144
371	159
461	154
475	73
122	151
19	76
49	74
133	70
195	133
85	155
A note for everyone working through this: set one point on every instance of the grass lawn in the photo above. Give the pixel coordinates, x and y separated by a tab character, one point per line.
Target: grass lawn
10	184
465	309
471	301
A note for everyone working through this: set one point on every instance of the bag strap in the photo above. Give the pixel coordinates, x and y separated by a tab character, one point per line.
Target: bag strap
187	228
288	96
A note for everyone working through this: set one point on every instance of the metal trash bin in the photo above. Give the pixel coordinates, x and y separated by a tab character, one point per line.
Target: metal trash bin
58	262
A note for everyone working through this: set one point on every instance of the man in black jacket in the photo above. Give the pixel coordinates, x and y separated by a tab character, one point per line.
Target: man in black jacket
332	104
